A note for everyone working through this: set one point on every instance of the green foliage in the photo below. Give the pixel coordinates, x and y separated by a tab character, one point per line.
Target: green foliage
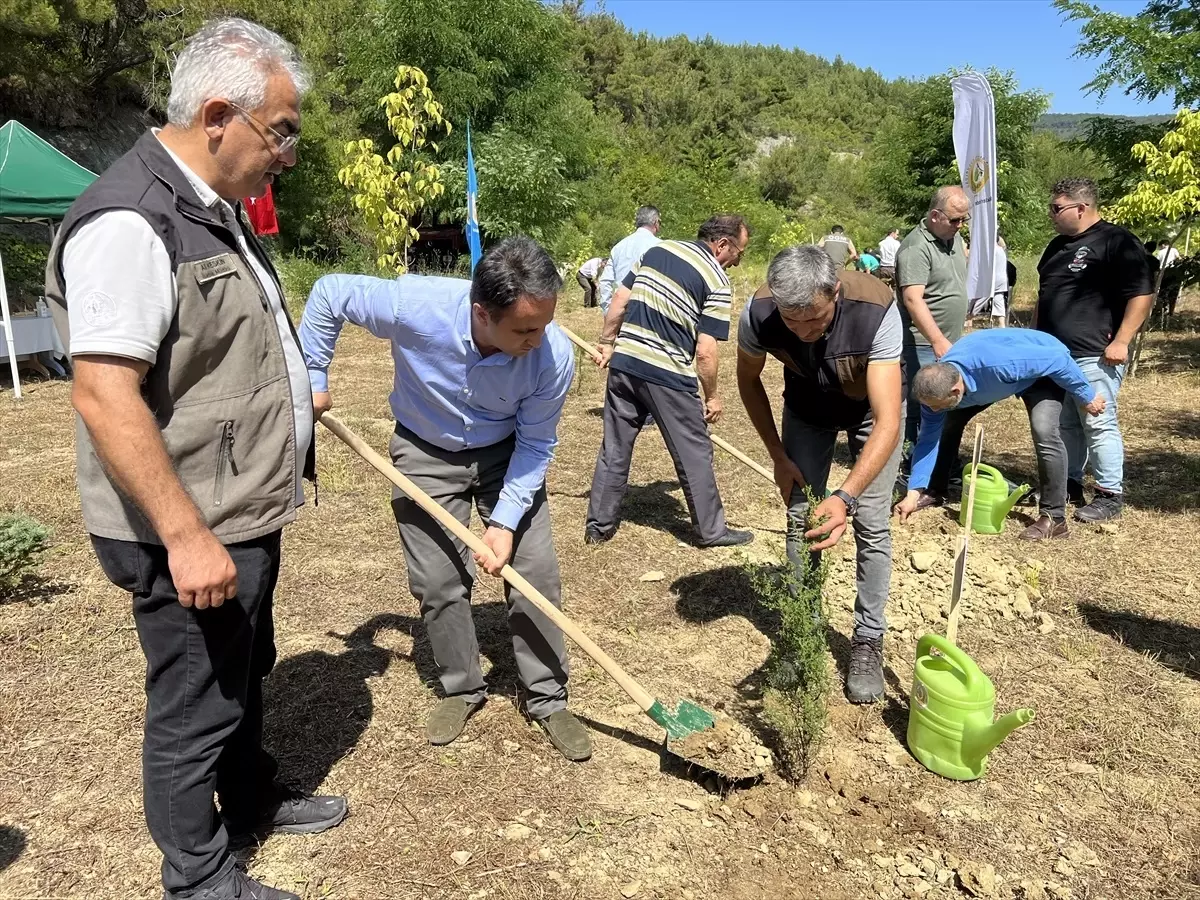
391	192
22	542
523	188
24	269
1152	54
796	701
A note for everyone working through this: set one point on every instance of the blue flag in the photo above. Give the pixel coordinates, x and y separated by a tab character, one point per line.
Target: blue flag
472	210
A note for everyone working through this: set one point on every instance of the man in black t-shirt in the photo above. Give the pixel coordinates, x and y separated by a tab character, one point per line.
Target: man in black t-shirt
1094	293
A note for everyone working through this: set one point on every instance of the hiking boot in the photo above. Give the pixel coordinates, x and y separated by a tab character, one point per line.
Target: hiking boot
1075	493
448	719
237	885
567	734
593	535
1104	506
864	681
1045	527
289	811
731	538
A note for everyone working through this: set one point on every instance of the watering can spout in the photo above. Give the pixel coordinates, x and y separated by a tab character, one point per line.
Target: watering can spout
979	742
1005	506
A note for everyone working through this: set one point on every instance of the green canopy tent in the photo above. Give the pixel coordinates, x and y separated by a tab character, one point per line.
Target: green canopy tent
37	184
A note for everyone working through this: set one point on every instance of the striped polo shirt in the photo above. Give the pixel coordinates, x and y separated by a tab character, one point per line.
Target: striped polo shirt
678	292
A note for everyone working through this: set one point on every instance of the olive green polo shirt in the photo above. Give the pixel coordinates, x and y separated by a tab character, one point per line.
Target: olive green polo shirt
941	267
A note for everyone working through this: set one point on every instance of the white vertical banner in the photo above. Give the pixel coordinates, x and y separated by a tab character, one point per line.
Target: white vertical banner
975	148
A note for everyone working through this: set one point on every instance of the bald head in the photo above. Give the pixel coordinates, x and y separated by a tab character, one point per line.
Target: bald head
948	210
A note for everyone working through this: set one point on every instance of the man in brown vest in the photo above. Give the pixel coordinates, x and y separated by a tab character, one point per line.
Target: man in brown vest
194	426
840	339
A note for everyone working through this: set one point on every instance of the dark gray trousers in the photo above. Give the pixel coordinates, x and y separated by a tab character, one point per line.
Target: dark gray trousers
204	704
628	400
441	570
1043	401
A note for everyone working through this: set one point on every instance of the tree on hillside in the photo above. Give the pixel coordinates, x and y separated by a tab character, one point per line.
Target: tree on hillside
1155	53
914	154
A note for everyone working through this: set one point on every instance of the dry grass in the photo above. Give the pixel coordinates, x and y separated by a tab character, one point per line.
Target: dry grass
1109	764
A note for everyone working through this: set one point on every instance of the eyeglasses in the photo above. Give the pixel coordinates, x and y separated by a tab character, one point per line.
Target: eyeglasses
284	142
740	251
956	221
1056	210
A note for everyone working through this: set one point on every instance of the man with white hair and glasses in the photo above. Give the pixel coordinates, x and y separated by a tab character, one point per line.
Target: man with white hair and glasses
840	339
194	430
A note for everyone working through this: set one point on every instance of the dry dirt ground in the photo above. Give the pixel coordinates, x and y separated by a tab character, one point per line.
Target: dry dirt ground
1097	798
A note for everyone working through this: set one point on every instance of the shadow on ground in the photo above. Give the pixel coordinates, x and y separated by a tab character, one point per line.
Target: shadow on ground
36	589
318	704
12	845
1171	644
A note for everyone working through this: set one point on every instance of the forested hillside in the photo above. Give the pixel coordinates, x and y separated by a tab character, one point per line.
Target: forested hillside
576	120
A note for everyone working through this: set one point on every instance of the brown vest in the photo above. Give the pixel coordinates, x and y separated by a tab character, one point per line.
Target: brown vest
219	388
825	382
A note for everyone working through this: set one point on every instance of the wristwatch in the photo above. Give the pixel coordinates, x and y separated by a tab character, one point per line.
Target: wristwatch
851	502
503	527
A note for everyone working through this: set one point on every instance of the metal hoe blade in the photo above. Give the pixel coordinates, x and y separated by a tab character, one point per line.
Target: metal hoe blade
687	718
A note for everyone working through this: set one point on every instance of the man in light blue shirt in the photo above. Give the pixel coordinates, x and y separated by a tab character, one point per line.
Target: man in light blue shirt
980	369
481	376
626	254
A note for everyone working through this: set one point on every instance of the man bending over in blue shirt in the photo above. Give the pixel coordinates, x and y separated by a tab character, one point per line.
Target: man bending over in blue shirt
481	378
982	368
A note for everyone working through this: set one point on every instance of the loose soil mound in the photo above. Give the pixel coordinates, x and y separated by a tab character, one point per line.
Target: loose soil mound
727	749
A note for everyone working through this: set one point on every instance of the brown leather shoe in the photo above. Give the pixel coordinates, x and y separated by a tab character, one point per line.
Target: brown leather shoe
1045	527
927	500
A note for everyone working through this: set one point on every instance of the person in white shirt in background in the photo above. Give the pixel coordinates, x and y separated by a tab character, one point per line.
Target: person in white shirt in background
888	248
1167	255
628	252
997	304
587	277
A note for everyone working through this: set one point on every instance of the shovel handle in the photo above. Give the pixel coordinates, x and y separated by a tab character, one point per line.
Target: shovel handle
720	442
960	558
636	692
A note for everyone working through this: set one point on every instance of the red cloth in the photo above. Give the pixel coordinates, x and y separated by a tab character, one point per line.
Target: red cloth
261	213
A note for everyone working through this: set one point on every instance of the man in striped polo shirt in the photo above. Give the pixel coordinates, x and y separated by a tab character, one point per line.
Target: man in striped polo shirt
660	346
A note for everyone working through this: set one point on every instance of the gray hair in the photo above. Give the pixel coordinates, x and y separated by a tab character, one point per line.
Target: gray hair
943	195
935	382
232	59
647	217
799	275
1081	190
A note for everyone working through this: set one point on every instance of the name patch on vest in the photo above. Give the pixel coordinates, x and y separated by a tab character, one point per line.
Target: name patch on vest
215	267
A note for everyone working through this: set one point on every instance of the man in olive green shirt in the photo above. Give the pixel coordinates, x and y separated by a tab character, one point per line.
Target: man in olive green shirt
931	272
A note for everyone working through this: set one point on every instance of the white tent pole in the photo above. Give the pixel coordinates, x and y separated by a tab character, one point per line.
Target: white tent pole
8	335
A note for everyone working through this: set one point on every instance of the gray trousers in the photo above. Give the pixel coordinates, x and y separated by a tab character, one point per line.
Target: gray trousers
811	449
628	400
1043	401
441	570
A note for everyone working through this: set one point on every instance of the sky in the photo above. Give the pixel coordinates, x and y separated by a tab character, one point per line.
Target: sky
907	38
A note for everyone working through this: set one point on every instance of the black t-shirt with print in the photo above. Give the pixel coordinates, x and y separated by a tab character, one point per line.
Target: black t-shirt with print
1085	283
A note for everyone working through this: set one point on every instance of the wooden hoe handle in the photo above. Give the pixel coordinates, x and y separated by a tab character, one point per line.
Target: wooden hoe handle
636	692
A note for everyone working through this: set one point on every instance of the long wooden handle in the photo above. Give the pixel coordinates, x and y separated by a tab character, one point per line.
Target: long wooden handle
960	560
718	441
739	455
636	692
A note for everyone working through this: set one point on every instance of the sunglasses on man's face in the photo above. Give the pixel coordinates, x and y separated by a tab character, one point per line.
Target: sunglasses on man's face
1056	209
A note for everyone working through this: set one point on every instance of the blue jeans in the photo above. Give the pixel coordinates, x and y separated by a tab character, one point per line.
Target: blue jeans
1095	441
915	356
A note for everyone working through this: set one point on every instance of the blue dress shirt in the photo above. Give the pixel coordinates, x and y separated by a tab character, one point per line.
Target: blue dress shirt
625	255
446	392
997	363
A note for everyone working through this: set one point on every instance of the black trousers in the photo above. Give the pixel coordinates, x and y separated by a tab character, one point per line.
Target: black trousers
589	289
204	707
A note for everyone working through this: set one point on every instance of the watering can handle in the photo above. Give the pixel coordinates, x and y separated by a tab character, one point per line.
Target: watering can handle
952	653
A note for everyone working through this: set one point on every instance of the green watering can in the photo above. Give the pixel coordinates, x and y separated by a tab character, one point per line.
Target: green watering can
992	499
950	727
